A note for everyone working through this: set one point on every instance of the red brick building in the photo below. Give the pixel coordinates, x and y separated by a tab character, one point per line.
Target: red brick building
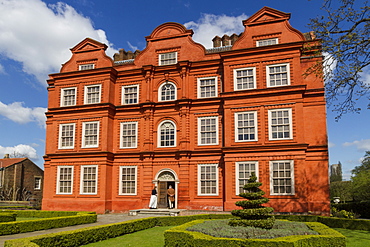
20	180
198	119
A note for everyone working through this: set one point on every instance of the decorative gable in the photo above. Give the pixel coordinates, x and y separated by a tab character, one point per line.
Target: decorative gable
88	54
267	25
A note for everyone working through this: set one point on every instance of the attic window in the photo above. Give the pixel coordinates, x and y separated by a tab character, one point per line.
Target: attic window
86	66
266	42
168	58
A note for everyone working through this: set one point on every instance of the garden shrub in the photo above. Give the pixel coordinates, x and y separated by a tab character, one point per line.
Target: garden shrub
361	208
344	214
253	213
72	218
179	236
7	217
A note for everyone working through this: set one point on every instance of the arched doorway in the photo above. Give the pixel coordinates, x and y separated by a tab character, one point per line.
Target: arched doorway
164	179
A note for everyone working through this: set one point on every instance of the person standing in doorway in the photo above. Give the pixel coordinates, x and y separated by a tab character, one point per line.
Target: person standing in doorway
153	198
171	196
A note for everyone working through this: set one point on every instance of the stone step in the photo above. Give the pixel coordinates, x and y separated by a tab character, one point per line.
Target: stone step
158	211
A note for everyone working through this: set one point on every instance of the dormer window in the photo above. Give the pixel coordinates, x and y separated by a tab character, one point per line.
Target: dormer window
266	42
86	66
168	58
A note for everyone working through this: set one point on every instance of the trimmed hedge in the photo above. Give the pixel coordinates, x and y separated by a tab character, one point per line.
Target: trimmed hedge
50	220
353	224
361	208
7	217
179	236
99	233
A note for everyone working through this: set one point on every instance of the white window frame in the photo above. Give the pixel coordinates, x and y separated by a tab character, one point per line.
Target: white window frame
255	126
86	94
200	180
86	66
62	96
253	69
267	42
124	99
84	134
58	181
121	180
237	175
159	134
270	120
161	88
37	184
199	87
60	136
135	137
291	162
166	61
200	132
82	179
278	65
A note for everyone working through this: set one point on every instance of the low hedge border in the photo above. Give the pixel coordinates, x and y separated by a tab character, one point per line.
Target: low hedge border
352	224
51	219
99	233
7	217
179	236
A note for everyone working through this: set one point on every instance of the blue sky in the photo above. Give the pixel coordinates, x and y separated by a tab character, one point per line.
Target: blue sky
35	38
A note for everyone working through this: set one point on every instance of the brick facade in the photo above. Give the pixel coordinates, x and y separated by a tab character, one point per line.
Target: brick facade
199	120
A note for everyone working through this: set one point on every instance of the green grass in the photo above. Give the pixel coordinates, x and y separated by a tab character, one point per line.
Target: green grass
355	238
153	237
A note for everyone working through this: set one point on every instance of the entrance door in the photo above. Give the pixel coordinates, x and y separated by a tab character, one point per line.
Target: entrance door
162	193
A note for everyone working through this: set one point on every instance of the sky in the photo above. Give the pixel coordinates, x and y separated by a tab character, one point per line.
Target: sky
36	37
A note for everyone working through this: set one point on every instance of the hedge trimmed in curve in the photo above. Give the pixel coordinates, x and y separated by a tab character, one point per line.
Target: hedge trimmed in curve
7	217
352	224
179	236
51	219
99	233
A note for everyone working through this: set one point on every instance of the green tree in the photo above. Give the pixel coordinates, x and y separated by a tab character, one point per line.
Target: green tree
341	189
253	213
344	32
361	179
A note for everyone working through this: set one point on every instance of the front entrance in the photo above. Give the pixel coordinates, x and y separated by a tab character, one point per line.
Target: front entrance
165	179
162	193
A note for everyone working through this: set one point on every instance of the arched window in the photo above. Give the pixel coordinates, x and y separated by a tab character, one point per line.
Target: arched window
167	92
167	134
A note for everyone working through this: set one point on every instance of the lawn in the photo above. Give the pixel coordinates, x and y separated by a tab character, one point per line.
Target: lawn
355	238
153	237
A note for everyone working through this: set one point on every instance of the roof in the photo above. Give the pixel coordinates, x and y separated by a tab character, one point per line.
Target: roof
10	161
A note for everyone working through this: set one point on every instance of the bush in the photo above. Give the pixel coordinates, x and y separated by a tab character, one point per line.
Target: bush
99	233
344	214
361	208
179	236
7	217
72	218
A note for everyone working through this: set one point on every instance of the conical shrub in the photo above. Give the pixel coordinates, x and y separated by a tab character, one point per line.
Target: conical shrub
253	213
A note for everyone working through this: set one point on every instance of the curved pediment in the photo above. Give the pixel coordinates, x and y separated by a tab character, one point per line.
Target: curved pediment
169	30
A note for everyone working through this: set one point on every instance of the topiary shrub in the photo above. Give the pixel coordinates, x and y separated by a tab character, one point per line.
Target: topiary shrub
253	213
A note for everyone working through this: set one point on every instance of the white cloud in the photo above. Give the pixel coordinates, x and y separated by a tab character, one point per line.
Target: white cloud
132	47
39	36
209	25
362	145
21	149
2	70
20	114
331	144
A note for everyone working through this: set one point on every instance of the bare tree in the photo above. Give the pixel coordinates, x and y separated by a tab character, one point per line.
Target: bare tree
344	32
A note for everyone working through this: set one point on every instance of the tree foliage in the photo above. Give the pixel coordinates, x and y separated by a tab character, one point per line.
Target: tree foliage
341	189
344	32
361	179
